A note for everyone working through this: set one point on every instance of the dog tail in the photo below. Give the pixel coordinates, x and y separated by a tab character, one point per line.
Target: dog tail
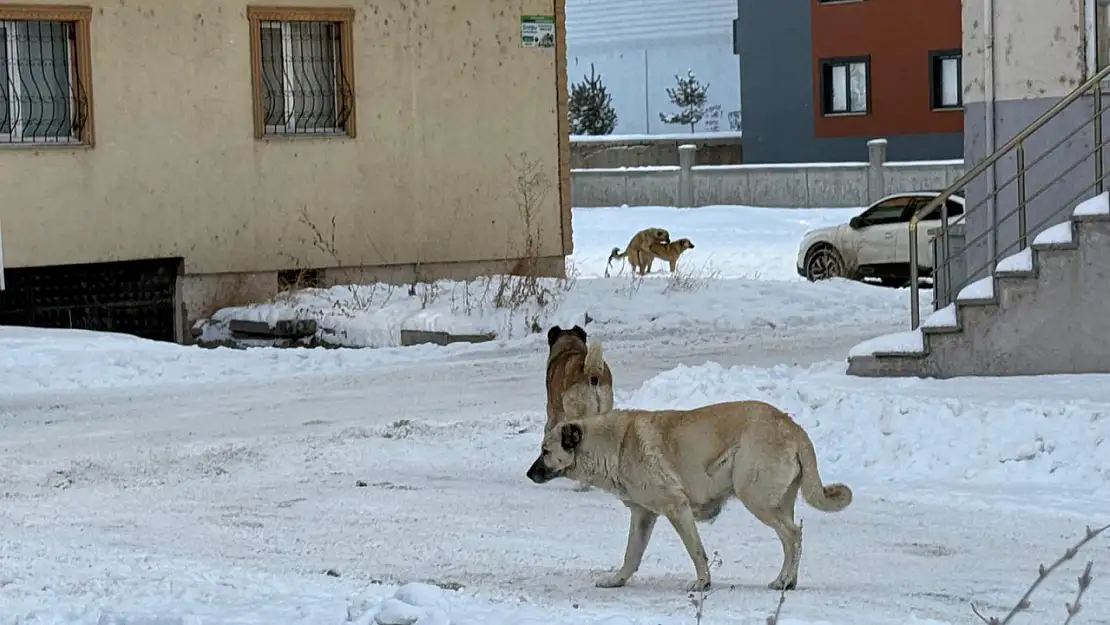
594	366
617	254
825	497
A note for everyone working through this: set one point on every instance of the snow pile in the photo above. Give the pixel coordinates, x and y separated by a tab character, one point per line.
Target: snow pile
987	430
740	275
33	360
615	307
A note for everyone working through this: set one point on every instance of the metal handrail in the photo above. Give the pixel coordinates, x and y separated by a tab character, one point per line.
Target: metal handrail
1017	145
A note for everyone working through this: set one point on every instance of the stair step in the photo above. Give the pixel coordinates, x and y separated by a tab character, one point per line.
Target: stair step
942	321
1016	265
1096	208
978	293
910	343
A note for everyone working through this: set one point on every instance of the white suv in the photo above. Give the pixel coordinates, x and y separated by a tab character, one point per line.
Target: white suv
876	243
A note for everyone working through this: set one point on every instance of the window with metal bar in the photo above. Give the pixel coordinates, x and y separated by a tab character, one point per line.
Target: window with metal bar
42	98
303	72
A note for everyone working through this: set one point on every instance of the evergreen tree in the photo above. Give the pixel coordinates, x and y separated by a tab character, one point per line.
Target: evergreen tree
689	96
591	107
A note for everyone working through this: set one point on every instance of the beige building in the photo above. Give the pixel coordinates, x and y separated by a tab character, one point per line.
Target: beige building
213	145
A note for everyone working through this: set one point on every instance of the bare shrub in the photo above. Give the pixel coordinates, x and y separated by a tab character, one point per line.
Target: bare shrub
1043	572
362	294
524	287
686	280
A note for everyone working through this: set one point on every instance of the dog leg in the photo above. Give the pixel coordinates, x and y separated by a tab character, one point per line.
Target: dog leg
773	505
641	522
682	519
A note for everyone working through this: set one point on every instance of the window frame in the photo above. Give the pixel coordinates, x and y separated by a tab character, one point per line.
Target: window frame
936	78
344	18
79	51
824	68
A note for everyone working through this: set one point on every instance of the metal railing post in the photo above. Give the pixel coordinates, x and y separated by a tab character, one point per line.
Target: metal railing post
915	297
1023	233
947	254
1100	183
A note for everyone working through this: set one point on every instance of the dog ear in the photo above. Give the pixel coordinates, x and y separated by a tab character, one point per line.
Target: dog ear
571	436
579	332
553	335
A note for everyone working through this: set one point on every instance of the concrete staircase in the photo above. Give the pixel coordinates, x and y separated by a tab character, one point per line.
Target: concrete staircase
1045	310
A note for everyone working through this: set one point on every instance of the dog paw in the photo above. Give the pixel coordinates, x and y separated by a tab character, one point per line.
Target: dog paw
698	585
613	581
783	584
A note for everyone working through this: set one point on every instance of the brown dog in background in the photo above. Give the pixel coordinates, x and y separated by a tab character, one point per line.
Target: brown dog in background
638	251
579	381
671	251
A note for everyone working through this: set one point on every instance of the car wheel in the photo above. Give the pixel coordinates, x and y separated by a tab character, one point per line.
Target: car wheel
824	262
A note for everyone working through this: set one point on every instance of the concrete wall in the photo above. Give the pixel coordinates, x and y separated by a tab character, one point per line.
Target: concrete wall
612	151
1036	63
443	123
807	185
775	47
638	46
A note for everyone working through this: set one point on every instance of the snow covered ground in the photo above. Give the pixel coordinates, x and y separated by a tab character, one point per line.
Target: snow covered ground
148	484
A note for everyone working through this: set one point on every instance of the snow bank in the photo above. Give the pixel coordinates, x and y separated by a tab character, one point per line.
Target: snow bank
993	430
33	360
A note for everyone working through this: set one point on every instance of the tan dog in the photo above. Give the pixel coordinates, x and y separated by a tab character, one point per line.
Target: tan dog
671	251
685	465
579	382
638	251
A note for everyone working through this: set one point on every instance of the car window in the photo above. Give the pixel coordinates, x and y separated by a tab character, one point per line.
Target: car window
888	212
955	209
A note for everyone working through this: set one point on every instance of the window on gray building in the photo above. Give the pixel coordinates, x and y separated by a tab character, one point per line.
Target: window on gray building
844	83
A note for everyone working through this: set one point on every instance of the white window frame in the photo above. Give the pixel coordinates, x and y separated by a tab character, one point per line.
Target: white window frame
290	127
15	137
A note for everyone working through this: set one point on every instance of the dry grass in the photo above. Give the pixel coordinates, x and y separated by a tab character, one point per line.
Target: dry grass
689	280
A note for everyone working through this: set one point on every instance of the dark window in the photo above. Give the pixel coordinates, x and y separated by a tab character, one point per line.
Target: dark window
844	85
955	209
889	211
946	75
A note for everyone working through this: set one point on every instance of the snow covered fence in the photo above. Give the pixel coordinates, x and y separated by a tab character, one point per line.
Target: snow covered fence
798	185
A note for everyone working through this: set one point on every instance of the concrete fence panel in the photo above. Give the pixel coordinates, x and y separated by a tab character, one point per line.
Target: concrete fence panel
802	185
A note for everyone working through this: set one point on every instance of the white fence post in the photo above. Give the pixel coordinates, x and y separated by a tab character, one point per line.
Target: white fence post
876	174
686	159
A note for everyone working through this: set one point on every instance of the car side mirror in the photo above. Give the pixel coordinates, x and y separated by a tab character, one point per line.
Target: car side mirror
855	223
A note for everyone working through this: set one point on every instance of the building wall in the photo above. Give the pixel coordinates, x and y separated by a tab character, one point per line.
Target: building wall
891	33
176	171
776	44
1036	63
638	46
